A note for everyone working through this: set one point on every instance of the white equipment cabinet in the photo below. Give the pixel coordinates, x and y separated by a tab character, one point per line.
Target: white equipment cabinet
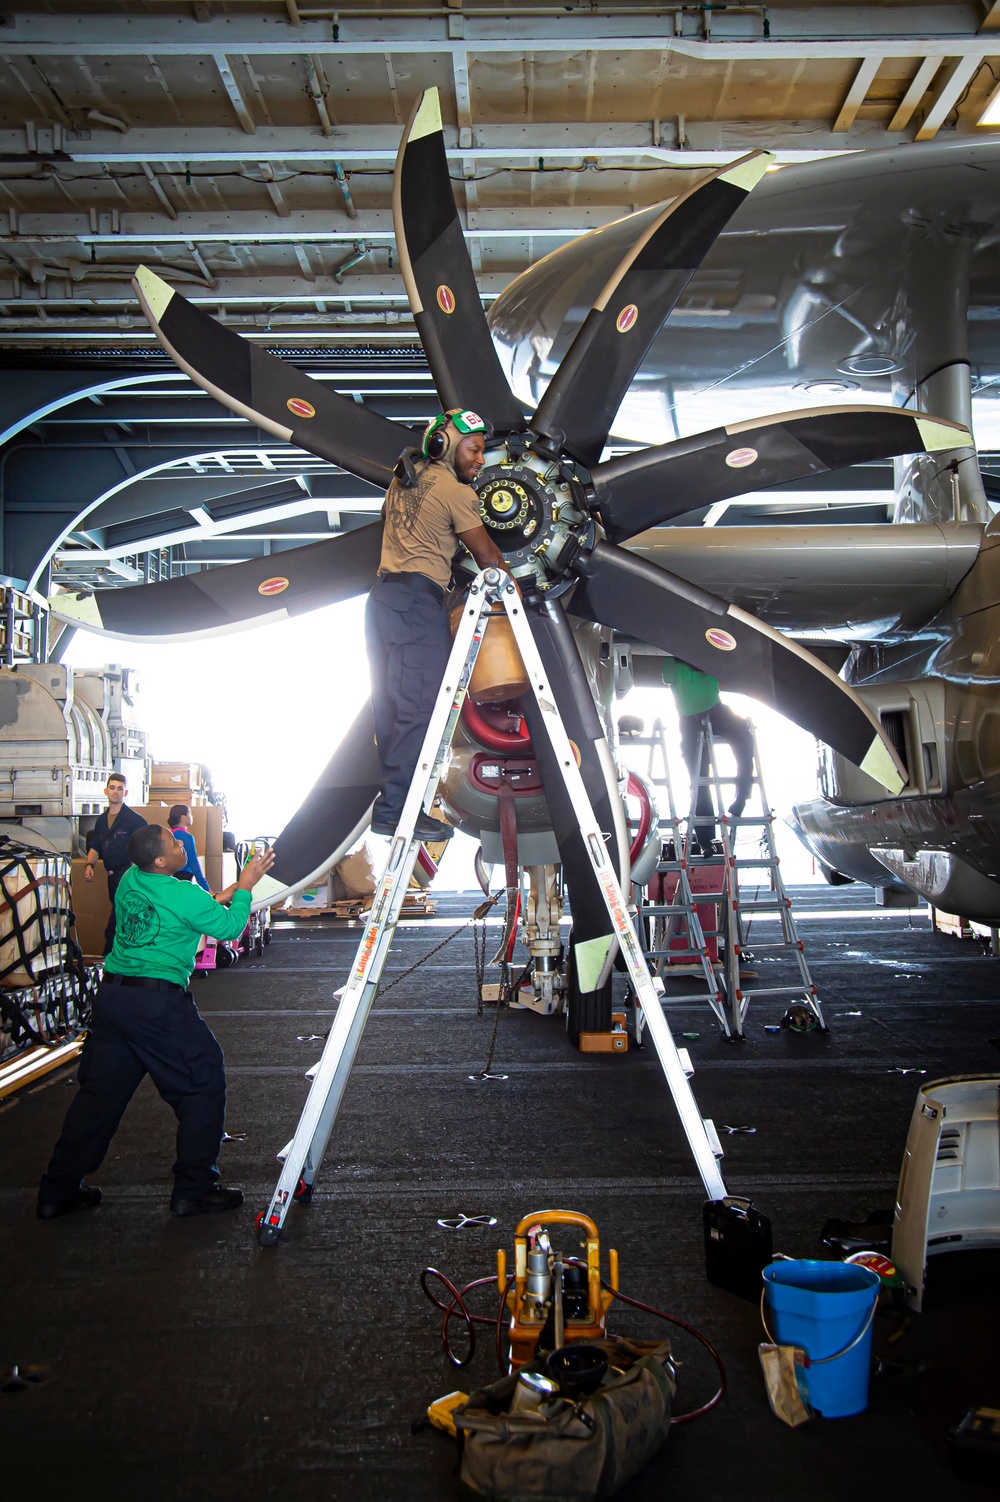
949	1185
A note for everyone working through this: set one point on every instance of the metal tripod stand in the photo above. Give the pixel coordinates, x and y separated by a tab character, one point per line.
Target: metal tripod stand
304	1154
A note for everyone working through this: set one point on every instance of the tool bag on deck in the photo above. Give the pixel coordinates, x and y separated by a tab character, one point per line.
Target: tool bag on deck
578	1451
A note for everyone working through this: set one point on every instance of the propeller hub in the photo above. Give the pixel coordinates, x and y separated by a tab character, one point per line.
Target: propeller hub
532	512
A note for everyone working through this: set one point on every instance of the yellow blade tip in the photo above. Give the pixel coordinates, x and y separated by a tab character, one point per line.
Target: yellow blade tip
428	117
154	292
879	763
936	434
78	609
748	173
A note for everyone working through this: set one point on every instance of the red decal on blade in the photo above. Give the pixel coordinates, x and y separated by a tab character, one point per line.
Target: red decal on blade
720	639
446	299
299	407
272	586
740	458
626	318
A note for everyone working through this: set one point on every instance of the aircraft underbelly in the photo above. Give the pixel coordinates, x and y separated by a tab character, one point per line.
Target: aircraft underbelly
935	846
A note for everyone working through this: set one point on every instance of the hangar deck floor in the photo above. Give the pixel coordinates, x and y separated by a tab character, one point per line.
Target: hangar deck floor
186	1363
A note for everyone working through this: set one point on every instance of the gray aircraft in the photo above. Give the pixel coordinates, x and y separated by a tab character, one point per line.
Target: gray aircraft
863	278
578	339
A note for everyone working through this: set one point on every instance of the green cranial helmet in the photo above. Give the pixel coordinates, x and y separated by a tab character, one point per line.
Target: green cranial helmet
435	435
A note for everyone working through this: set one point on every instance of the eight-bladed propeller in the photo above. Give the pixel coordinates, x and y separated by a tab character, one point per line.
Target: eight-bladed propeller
543	496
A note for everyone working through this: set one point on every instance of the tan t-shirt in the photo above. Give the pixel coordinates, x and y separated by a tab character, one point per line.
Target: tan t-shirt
422	524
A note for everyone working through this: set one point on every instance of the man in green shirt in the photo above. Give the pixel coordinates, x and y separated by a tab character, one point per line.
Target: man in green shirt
144	1021
696	695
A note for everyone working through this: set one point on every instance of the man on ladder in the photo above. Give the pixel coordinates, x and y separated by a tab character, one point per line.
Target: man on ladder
696	695
429	509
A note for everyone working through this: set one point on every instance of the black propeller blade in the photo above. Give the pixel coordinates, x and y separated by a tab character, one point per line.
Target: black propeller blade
593	935
653	485
637	598
269	391
334	814
440	282
586	391
241	594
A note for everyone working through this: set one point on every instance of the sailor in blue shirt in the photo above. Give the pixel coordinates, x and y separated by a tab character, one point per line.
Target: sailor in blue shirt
108	842
180	822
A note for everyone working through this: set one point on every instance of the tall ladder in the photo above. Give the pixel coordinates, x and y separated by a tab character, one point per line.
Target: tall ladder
671	930
741	908
303	1156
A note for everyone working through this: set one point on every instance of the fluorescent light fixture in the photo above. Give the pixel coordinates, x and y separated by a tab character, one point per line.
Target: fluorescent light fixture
991	114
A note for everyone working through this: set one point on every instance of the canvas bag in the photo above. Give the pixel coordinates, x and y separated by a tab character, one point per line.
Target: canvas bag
507	1457
354	876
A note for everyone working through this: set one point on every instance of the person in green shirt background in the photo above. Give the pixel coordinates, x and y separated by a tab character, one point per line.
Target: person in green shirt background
144	1021
696	695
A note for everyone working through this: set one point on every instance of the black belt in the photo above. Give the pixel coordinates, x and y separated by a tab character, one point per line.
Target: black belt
147	982
420	580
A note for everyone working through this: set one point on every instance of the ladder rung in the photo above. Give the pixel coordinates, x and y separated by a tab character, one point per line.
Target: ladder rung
799	990
763	907
756	948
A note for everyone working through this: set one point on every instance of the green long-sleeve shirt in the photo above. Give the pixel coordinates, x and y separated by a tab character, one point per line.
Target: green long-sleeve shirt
695	692
159	922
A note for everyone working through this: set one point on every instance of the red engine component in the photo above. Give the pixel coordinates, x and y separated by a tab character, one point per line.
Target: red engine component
637	789
519	773
707	881
501	727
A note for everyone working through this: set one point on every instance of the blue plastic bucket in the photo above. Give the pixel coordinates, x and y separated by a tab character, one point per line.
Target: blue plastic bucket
826	1308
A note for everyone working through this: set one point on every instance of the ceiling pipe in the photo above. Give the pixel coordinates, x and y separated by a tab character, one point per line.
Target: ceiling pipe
344	186
112	120
318	95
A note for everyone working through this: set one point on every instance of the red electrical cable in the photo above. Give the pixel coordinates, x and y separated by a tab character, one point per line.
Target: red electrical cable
455	1310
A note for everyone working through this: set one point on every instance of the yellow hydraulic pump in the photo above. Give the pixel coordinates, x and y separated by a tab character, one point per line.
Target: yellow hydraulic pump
552	1288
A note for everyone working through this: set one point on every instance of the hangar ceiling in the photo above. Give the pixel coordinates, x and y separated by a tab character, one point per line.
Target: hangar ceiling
245	152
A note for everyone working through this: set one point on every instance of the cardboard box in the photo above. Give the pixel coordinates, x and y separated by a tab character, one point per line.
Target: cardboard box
206	825
92	907
175	774
220	870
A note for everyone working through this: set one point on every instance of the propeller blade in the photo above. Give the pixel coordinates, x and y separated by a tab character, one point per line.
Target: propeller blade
586	391
268	391
335	813
649	487
240	594
594	945
439	279
637	598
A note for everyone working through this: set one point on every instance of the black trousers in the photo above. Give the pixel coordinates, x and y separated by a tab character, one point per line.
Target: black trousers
729	728
408	641
114	877
135	1032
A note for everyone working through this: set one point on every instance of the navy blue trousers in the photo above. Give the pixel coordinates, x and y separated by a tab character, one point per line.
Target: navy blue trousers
408	641
135	1032
728	728
114	877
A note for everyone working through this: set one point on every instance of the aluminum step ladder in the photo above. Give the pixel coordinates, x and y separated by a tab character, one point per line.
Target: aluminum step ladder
760	870
303	1156
671	932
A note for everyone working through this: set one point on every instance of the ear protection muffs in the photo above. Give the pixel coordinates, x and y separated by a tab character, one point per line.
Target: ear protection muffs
435	438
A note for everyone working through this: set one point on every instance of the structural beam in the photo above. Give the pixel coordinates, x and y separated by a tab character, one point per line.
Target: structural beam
956	76
848	32
614	143
918	88
856	94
